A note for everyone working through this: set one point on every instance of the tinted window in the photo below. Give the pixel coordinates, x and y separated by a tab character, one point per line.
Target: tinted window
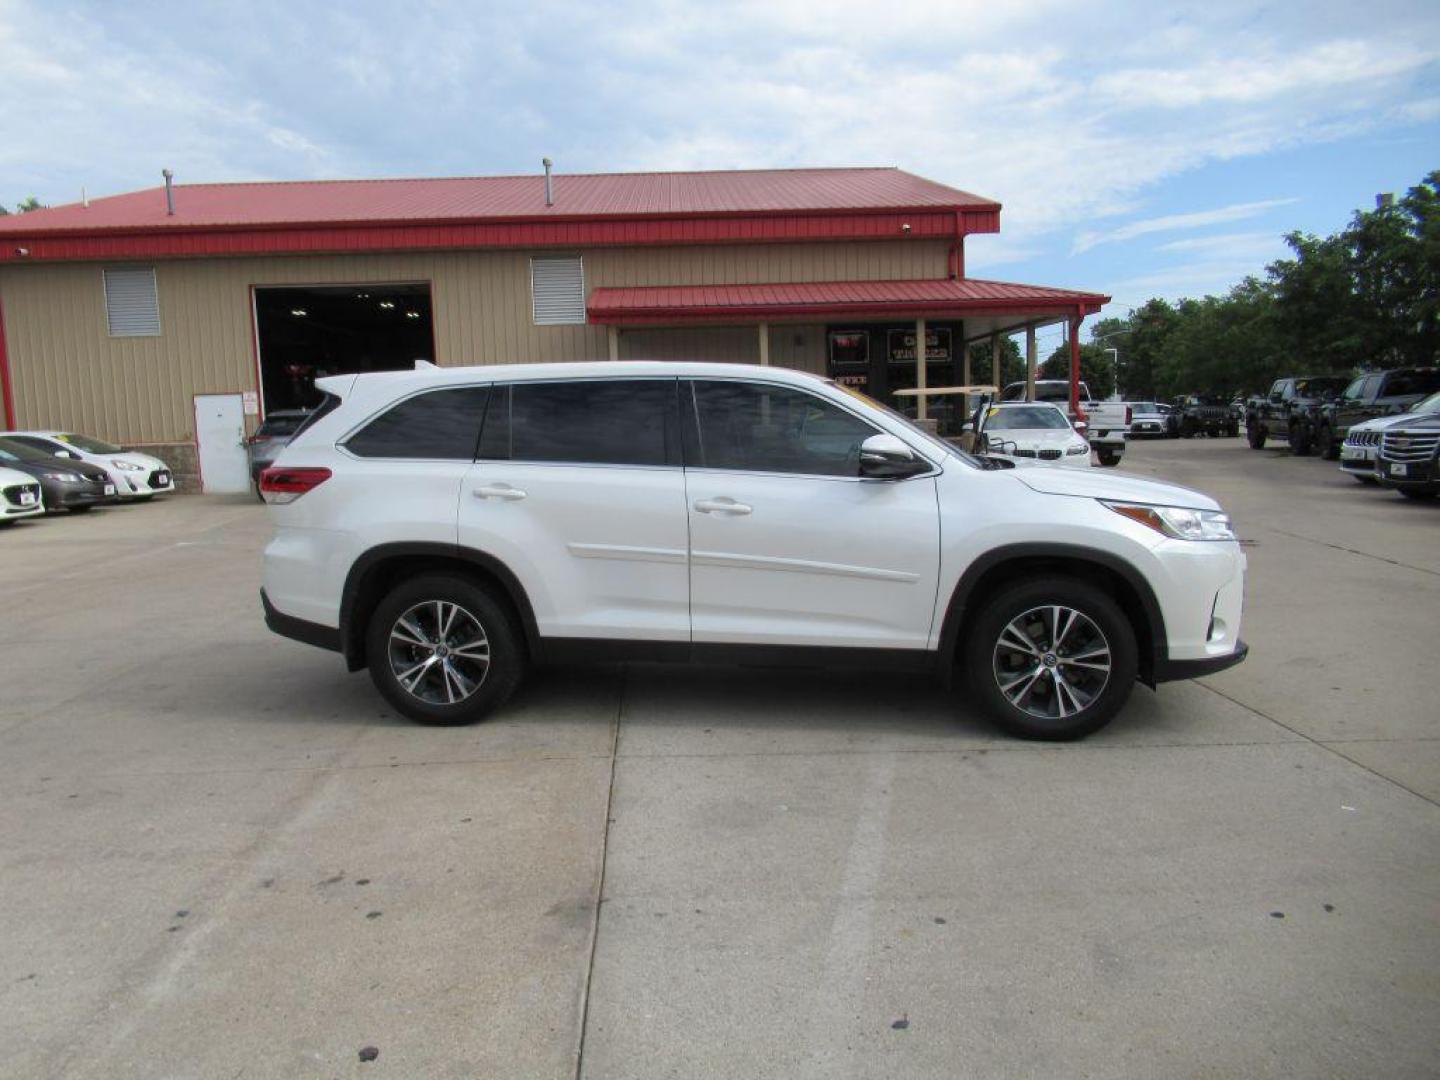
775	429
594	421
441	424
44	446
89	445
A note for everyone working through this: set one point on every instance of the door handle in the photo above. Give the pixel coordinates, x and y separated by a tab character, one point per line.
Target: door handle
498	491
722	505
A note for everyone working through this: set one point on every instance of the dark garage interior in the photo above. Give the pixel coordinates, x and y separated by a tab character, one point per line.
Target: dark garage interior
308	332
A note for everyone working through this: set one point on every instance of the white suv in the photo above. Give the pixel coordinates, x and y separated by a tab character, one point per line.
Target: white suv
450	528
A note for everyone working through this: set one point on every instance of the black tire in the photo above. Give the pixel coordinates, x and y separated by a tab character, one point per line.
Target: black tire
1232	431
1370	480
1255	436
1327	443
1187	429
1418	493
1108	458
1300	441
1038	716
478	609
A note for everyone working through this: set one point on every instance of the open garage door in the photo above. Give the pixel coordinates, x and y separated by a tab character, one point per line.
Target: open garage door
307	332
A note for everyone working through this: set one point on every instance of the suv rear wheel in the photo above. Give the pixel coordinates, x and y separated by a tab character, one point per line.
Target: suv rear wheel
443	650
1051	659
1255	434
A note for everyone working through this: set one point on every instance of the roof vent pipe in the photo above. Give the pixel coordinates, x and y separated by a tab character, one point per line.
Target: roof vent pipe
549	191
169	191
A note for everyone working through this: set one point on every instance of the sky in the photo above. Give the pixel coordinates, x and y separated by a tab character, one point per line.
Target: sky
1139	149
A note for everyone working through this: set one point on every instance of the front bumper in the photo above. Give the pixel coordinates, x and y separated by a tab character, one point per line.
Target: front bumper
1357	459
142	484
1418	475
1171	670
13	502
63	496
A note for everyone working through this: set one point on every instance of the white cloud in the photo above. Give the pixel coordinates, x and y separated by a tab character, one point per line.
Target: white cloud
1197	219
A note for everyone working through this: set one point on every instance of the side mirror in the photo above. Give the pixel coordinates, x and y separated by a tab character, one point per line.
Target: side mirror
884	457
65	454
1081	426
966	426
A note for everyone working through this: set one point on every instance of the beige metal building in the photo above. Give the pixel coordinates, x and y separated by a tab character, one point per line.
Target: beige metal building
175	318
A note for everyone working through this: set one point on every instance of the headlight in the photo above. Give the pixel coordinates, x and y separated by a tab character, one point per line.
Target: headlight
127	466
1178	522
63	477
1083	448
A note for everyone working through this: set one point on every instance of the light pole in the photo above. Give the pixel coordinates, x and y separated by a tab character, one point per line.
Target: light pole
1107	337
1115	359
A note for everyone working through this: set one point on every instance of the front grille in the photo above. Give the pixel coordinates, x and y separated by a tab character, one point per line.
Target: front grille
1049	455
1363	438
1409	447
12	494
1024	453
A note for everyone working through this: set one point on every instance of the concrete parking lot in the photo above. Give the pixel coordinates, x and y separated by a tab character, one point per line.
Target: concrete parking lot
222	856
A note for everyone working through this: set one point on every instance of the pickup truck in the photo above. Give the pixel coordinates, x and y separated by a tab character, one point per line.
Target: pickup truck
1382	393
1200	415
1107	423
1280	413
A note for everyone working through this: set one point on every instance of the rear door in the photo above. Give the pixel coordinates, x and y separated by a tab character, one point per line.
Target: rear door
788	545
578	489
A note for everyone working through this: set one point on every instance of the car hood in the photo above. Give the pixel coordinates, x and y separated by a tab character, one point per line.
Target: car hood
1428	422
145	461
10	477
1105	484
1035	437
1380	423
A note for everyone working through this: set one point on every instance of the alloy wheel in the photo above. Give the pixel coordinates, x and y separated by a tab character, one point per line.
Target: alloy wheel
439	652
1052	662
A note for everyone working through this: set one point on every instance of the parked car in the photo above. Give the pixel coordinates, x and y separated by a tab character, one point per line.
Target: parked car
1409	457
1270	416
1326	423
1146	418
1199	414
65	484
1362	442
135	475
1032	431
450	528
1107	423
20	496
277	429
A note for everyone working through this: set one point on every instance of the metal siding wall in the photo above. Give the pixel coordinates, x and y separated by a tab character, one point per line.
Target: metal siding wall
68	372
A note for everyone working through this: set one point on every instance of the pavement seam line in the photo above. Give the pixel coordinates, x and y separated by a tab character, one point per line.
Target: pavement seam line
1352	551
600	882
1328	748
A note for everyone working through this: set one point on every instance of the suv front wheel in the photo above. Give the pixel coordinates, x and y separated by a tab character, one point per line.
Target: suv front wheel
1051	659
443	651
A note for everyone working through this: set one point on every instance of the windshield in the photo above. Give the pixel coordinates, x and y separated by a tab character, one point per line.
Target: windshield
1318	387
1143	406
280	426
10	451
1430	404
89	445
1026	418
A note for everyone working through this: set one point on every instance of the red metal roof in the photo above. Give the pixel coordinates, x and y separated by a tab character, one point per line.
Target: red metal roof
699	303
502	198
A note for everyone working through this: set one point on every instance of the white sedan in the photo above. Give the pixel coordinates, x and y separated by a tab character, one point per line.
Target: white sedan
20	496
135	475
1033	431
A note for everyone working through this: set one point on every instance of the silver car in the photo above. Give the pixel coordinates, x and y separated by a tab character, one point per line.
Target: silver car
272	436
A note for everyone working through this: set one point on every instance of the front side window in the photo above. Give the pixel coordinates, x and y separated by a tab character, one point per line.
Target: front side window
594	422
439	425
89	445
759	428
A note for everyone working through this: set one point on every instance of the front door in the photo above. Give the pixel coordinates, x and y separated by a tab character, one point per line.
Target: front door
788	546
220	439
578	490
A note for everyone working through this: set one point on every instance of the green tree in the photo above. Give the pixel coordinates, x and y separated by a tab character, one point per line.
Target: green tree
1097	370
31	203
1012	363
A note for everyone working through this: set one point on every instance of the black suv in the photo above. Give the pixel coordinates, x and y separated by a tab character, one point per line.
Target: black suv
1323	425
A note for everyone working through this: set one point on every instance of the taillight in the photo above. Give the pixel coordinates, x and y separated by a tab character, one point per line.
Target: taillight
1127	415
281	485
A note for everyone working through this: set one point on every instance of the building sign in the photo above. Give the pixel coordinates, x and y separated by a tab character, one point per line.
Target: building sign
250	403
902	345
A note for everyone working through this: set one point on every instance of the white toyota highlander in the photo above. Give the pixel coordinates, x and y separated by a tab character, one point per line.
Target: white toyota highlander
450	528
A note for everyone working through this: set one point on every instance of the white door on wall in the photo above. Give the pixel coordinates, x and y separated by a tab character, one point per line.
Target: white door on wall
220	438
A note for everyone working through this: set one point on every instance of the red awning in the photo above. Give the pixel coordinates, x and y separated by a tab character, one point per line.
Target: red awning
964	298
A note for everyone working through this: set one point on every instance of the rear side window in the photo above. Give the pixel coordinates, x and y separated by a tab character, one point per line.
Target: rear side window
593	421
439	425
761	428
279	427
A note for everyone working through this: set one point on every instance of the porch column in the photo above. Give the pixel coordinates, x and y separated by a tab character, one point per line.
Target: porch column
1075	365
995	362
764	344
613	334
965	349
920	412
1030	358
